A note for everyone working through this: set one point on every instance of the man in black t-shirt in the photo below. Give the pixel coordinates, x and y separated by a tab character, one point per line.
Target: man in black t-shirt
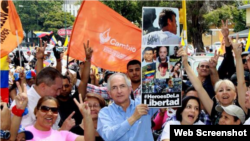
67	104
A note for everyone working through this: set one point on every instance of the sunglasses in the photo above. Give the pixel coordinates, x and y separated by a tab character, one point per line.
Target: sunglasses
46	109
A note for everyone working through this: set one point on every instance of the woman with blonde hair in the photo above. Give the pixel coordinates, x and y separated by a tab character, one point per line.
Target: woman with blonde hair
224	89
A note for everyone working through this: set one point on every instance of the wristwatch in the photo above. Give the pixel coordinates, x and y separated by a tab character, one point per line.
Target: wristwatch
4	134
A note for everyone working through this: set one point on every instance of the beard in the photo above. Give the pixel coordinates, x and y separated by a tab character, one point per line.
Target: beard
136	81
63	96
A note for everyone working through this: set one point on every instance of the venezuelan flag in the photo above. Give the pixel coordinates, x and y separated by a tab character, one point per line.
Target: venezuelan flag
149	74
42	33
4	74
53	39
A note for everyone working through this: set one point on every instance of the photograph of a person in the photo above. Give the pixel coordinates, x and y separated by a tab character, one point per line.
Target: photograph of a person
176	70
162	70
162	55
149	16
168	22
173	57
148	54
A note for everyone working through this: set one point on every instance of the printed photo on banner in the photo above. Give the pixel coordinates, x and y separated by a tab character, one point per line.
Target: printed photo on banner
173	54
160	26
147	55
148	71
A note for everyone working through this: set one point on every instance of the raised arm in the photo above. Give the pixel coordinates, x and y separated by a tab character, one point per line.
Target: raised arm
213	71
21	103
40	56
82	88
58	57
241	85
203	95
227	67
89	130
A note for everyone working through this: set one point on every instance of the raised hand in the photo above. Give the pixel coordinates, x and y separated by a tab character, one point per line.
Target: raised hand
21	98
83	106
40	50
88	50
140	110
183	53
224	29
236	47
57	54
69	122
214	60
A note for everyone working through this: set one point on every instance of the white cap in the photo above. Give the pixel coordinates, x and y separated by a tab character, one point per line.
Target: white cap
232	110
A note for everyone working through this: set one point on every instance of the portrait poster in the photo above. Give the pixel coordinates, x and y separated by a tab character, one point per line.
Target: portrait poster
161	67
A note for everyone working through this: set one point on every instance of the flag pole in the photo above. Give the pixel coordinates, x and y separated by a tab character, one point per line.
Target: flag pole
19	50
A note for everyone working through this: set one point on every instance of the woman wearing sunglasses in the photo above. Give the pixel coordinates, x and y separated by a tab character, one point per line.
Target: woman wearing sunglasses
46	113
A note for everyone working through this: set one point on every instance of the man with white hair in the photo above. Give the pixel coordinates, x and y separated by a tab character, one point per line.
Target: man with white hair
125	119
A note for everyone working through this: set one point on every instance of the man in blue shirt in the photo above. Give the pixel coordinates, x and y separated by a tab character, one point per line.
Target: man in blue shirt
125	119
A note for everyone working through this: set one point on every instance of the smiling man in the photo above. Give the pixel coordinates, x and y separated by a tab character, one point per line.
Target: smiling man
48	83
121	121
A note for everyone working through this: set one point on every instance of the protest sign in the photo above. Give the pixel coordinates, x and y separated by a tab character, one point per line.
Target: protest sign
161	67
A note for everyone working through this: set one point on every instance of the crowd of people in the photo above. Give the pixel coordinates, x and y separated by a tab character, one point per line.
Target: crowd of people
73	104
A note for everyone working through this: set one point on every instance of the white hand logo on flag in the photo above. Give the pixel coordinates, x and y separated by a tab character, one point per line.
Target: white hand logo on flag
104	37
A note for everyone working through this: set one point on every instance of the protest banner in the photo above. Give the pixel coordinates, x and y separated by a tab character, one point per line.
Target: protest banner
161	67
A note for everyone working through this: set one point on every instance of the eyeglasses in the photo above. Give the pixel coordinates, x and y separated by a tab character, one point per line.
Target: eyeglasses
94	106
66	85
46	109
203	66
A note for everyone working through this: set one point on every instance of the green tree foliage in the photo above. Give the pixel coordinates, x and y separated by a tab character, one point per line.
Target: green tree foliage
200	14
230	12
45	15
55	21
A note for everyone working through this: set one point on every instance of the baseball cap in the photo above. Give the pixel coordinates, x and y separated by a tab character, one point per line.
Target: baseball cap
232	110
30	74
245	53
28	134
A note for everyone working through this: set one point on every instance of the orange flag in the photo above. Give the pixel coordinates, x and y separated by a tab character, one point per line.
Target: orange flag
10	23
114	39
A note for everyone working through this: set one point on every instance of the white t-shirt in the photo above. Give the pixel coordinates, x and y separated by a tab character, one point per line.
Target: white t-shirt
160	38
166	130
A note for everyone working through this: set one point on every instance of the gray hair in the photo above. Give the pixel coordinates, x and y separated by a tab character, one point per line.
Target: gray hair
128	82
